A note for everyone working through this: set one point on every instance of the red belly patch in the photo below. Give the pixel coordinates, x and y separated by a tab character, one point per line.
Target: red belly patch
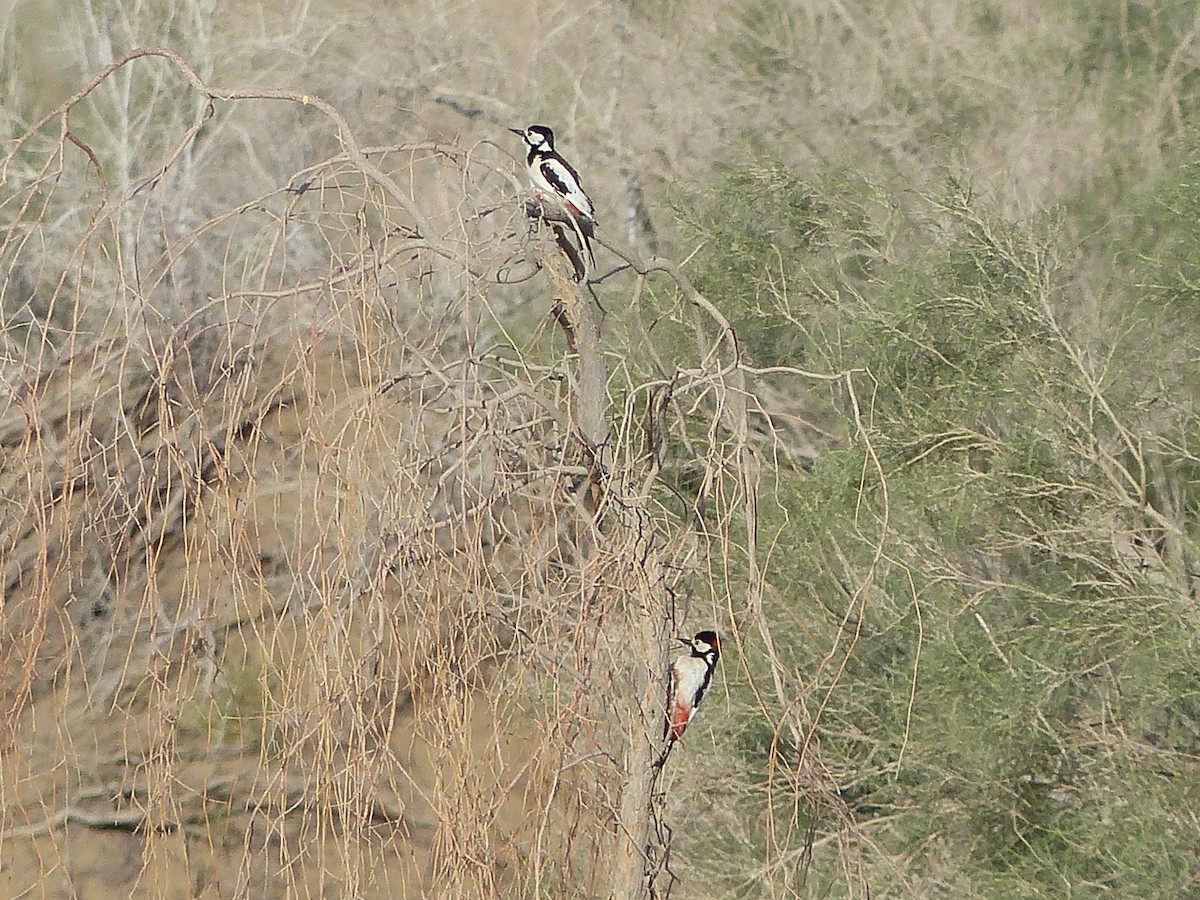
680	715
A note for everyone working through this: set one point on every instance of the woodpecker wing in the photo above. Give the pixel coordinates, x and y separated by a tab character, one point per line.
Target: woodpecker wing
564	181
702	690
669	706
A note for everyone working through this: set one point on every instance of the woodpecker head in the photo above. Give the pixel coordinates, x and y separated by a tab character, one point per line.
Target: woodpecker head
705	645
538	137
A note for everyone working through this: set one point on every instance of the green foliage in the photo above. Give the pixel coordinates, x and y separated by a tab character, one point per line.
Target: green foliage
1140	56
1138	38
1173	217
763	41
234	713
771	242
1012	702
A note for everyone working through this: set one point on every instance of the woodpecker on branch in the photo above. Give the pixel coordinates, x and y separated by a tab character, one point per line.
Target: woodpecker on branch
690	676
554	177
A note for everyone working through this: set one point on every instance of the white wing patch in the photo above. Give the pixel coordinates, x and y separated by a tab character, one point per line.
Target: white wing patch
558	178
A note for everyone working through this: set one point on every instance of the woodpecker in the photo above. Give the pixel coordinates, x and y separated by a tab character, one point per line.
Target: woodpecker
690	677
553	175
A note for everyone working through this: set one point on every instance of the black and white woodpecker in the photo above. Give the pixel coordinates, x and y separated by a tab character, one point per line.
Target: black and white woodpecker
690	676
555	177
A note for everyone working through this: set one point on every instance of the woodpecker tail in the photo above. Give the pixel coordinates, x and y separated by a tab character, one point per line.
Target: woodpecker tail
587	246
584	228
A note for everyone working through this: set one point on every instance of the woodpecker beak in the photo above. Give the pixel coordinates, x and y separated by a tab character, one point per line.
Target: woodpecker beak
686	641
518	131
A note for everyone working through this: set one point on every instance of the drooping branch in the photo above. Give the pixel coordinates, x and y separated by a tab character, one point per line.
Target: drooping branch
422	227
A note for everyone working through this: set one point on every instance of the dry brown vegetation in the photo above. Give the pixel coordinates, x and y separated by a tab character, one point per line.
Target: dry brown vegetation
309	585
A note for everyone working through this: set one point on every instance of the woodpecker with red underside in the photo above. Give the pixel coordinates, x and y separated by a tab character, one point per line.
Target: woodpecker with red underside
690	676
556	178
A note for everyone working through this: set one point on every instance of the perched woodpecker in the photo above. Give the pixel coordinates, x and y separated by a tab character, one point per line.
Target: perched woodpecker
690	677
555	177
